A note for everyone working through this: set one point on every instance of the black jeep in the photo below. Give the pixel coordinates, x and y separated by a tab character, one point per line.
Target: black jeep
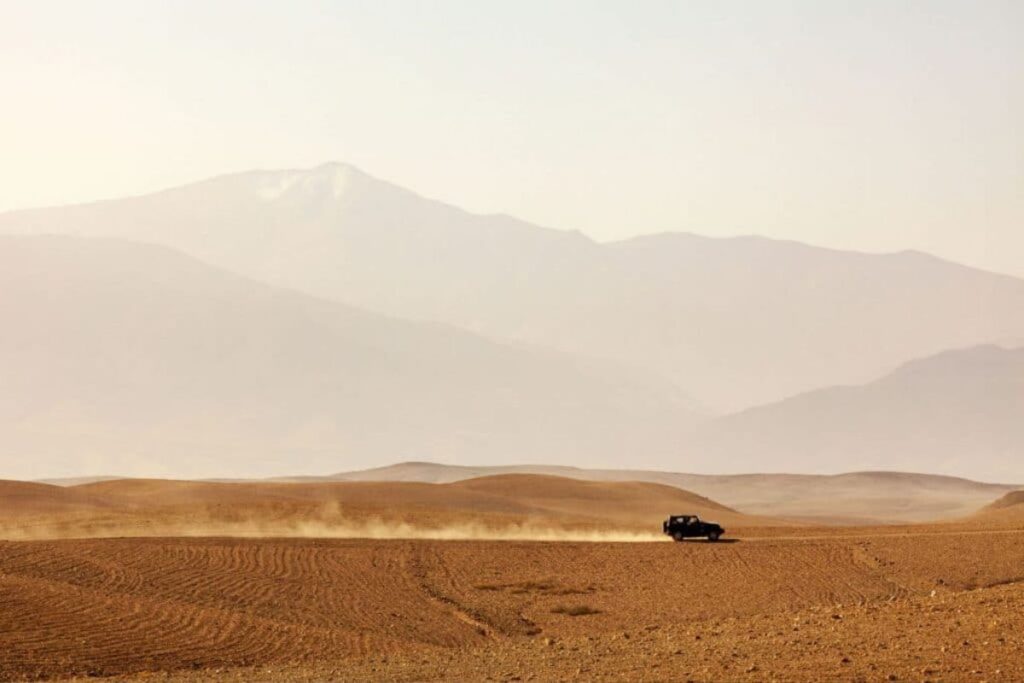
690	526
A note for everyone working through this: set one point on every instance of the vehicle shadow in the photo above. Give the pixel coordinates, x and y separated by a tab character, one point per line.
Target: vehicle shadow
720	541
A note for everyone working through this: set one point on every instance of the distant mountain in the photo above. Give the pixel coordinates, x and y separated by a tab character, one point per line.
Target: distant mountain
960	412
736	322
853	497
67	482
117	356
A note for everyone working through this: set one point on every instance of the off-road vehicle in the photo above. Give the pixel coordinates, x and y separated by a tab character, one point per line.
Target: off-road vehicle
691	526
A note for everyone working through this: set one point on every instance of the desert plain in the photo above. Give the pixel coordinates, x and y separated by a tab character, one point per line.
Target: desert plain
511	577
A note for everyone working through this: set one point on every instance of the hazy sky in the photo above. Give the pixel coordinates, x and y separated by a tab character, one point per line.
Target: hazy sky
870	125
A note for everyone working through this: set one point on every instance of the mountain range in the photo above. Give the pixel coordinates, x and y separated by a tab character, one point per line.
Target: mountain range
136	359
291	321
733	322
959	412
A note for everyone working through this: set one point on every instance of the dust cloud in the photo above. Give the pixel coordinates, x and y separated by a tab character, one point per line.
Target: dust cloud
377	529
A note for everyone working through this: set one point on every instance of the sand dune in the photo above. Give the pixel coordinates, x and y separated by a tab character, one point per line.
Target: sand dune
851	498
21	498
1014	500
504	506
1008	510
75	481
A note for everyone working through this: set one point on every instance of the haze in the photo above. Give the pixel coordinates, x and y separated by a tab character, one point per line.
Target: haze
248	240
873	126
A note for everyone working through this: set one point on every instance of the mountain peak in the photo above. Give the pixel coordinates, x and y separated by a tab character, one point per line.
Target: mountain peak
333	179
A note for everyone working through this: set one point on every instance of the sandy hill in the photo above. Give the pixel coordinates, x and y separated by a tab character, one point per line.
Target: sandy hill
1007	511
855	497
1014	499
957	412
75	481
738	322
627	502
520	505
525	494
439	473
18	498
123	357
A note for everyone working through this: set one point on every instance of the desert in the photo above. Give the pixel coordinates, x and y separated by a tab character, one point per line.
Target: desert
506	577
462	341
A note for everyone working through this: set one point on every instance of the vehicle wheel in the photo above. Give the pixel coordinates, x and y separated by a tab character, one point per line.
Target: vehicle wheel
677	536
713	536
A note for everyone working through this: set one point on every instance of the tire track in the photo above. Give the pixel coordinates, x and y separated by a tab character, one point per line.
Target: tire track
417	568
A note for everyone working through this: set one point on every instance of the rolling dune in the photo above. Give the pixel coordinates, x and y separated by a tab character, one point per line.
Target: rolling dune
24	498
498	507
851	498
1008	510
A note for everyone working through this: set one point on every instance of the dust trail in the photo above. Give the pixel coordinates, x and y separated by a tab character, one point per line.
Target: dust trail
477	532
364	529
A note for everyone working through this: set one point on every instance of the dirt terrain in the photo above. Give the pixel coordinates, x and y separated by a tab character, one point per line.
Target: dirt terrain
911	603
938	606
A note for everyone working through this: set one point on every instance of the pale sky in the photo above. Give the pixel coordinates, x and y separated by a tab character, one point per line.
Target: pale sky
873	125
